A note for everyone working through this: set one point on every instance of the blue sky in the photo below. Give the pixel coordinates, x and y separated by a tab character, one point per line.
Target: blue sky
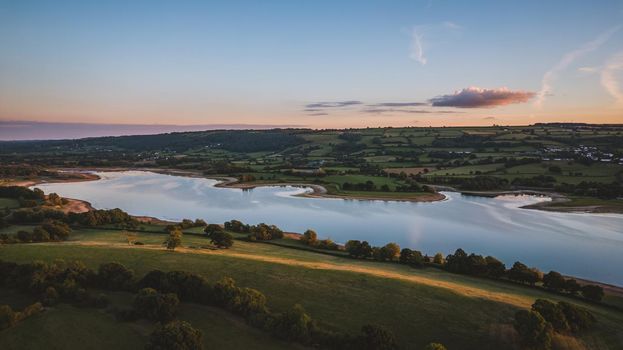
261	62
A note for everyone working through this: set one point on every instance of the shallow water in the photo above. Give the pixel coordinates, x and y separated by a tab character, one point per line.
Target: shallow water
583	245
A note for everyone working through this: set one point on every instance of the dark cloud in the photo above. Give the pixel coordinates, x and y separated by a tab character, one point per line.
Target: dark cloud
318	114
400	104
488	118
338	104
474	97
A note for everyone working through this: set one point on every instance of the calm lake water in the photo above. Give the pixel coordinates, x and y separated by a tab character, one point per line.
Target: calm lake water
583	245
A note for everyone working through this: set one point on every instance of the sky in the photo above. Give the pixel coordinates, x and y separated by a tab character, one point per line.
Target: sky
317	64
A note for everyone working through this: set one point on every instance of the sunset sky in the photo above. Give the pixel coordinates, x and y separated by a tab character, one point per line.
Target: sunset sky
315	64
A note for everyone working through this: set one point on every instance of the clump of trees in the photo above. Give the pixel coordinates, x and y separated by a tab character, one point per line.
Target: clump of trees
175	335
187	223
218	236
19	192
310	238
554	281
155	306
49	231
264	232
363	250
537	325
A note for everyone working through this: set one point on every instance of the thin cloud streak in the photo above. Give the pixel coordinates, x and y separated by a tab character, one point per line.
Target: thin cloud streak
417	50
608	77
338	104
552	74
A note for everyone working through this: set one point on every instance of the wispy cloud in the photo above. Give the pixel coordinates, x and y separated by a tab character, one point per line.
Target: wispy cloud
608	77
475	97
417	49
452	25
399	104
338	104
587	69
566	60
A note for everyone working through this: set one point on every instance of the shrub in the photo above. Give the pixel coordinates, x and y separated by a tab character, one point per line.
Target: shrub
175	335
593	292
376	338
115	276
552	313
155	306
534	331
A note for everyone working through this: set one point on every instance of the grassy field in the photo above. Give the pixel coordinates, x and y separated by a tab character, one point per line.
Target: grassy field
67	327
418	305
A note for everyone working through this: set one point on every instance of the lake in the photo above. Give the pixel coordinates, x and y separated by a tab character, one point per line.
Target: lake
583	245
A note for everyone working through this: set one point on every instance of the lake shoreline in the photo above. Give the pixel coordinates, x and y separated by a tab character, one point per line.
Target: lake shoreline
319	191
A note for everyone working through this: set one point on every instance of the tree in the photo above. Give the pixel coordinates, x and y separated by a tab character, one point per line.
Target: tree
213	228
534	331
434	346
495	268
578	318
40	235
554	281
376	338
221	239
411	257
438	259
175	335
552	313
358	249
593	292
294	324
310	237
156	306
174	240
572	286
390	251
58	230
115	276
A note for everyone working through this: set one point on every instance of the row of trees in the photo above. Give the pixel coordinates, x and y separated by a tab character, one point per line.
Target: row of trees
477	265
259	232
363	250
536	326
49	231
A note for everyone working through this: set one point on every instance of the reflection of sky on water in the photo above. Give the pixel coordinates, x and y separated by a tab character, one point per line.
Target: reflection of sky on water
586	245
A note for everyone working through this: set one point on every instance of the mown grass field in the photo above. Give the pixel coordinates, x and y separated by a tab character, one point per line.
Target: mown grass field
418	305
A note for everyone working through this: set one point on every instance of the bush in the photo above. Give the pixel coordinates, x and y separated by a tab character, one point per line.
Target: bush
221	239
50	297
534	331
175	335
435	346
115	276
155	306
593	292
376	338
552	313
7	317
411	257
310	237
579	319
